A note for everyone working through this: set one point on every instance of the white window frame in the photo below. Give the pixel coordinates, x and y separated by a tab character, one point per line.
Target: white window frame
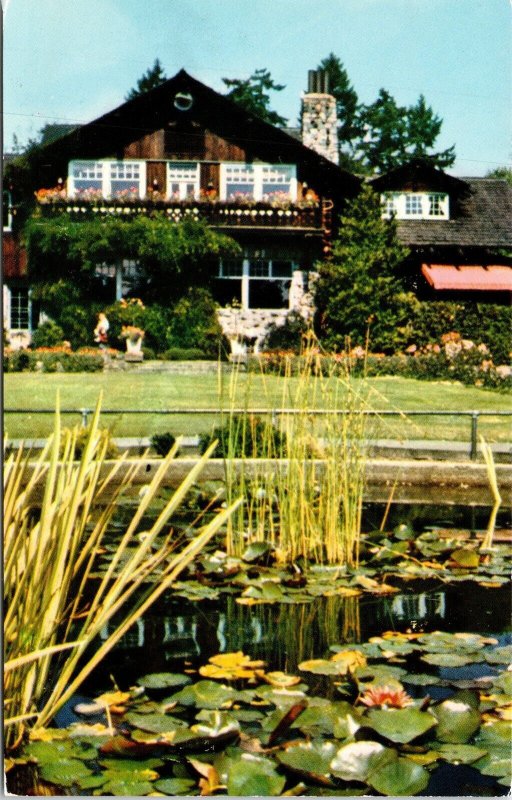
105	172
14	307
245	276
184	174
7	200
256	175
395	204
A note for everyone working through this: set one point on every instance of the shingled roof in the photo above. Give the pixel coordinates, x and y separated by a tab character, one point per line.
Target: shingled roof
482	219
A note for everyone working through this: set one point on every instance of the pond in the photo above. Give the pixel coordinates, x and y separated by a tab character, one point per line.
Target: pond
272	667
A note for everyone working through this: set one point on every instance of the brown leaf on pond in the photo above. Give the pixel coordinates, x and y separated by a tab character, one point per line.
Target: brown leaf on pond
288	719
209	782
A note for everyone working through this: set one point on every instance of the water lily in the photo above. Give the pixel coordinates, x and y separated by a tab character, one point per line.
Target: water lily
386	696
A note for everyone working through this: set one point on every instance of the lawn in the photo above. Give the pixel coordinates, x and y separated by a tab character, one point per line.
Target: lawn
171	392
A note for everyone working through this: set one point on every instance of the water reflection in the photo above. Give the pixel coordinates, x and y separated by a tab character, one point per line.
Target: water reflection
284	635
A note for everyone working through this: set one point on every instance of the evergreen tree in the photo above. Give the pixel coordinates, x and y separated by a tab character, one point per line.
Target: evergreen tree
394	134
347	106
358	292
152	78
253	95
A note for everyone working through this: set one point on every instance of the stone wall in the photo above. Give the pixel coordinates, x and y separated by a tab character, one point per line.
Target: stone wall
319	125
246	328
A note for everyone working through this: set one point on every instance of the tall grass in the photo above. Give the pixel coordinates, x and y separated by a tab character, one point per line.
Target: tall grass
302	475
50	616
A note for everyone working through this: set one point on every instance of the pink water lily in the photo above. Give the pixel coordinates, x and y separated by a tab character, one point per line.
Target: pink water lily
386	696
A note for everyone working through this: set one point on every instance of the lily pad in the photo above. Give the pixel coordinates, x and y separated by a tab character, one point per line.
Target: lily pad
154	723
254	776
56	750
450	659
457	718
355	761
310	759
400	725
175	786
255	551
163	680
399	777
464	557
460	753
500	655
64	772
127	788
206	694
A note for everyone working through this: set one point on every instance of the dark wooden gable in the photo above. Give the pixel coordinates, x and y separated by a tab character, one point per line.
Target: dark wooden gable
419	175
213	128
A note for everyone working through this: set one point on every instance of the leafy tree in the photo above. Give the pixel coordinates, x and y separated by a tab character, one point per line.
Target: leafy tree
394	134
152	78
502	173
358	290
347	107
172	258
253	95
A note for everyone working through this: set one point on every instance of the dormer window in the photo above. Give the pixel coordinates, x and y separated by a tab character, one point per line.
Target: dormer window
415	205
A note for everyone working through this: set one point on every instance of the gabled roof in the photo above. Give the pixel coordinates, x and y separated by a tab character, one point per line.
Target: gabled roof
146	113
419	172
483	220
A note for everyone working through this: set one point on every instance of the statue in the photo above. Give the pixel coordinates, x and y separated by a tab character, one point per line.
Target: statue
101	329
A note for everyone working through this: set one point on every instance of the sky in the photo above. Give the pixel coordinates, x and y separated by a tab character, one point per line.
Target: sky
73	60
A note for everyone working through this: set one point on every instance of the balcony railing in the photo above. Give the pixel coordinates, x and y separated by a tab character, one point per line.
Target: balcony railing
218	214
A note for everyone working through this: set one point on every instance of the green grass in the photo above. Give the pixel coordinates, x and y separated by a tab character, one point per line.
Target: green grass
171	391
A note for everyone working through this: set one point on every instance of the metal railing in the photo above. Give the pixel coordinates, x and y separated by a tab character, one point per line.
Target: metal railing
85	413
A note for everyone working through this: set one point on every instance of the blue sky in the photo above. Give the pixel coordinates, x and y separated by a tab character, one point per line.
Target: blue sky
72	60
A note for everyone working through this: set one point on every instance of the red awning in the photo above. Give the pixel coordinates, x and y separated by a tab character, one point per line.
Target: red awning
493	278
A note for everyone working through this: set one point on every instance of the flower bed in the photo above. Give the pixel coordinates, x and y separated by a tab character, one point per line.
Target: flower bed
453	359
55	359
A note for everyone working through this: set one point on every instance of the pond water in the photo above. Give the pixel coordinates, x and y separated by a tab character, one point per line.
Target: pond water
179	635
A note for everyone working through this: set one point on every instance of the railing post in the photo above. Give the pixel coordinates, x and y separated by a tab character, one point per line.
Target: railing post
474	432
85	416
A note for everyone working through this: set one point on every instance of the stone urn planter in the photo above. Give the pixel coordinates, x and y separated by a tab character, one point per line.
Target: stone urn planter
133	337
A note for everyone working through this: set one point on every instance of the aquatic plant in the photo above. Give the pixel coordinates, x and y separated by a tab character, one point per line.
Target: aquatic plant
52	613
308	505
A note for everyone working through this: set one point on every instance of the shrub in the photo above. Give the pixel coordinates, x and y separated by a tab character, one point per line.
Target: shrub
194	323
52	360
48	334
162	442
244	436
288	335
183	354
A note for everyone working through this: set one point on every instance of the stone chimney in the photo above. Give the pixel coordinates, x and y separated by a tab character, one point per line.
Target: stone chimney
319	121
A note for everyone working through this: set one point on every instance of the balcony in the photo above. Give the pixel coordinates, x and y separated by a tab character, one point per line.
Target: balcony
304	216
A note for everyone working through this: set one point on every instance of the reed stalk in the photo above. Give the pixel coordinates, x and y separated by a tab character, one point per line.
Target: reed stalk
309	505
493	484
50	619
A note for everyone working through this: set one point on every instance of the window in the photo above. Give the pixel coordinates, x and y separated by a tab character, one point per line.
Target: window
6	211
413	205
389	205
256	281
238	182
109	179
125	179
437	205
183	180
265	182
20	309
419	205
